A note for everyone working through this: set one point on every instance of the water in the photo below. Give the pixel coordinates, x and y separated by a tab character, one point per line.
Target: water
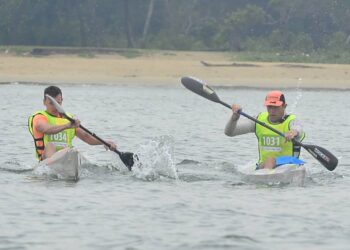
188	193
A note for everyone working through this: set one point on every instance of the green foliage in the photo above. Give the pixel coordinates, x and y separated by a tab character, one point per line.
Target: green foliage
130	53
337	42
246	19
172	42
16	50
206	31
243	23
288	41
87	55
258	44
280	39
301	42
318	28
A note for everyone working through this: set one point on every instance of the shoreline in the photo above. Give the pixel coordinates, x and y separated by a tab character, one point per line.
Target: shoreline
166	68
62	84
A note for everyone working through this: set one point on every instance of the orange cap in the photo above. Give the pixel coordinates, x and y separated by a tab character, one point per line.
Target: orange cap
275	98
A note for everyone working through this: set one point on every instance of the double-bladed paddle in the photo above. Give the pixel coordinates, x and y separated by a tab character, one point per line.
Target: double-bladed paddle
326	158
126	157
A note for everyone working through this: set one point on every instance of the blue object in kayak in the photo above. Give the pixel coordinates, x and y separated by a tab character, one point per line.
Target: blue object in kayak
288	160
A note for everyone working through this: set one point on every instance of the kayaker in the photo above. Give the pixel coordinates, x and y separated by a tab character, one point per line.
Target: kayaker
274	150
51	132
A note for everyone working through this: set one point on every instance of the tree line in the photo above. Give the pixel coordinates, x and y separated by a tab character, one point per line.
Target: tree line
220	25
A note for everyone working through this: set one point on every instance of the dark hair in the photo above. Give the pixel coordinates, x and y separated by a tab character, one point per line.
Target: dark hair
52	91
283	99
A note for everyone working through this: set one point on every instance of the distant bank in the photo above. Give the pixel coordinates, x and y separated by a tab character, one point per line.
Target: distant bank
164	68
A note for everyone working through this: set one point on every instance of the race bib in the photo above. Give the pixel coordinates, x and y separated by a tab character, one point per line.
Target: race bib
60	137
271	143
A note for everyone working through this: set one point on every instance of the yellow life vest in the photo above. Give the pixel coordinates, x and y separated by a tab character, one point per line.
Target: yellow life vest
61	140
271	144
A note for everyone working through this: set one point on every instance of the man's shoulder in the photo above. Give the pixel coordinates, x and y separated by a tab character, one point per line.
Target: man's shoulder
39	116
290	116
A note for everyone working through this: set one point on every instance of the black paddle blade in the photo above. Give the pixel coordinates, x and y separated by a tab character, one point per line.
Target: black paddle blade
326	158
200	88
128	159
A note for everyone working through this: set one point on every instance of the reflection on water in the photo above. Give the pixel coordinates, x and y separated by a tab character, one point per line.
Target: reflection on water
185	191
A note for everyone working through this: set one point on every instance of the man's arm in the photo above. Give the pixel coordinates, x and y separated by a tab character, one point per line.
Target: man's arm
89	139
41	125
236	126
296	130
85	137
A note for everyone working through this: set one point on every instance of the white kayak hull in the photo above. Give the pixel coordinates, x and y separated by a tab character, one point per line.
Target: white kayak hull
64	164
285	174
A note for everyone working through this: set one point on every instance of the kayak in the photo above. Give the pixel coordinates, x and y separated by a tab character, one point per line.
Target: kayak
64	164
285	174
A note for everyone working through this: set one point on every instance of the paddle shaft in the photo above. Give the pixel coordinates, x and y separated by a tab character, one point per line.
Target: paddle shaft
255	120
94	135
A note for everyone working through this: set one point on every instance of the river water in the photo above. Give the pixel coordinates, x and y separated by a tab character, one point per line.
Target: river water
188	195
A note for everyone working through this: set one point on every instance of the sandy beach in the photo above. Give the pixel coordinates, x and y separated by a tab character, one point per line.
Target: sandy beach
165	68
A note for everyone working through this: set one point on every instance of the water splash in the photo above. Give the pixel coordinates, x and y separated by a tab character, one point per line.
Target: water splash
298	96
156	159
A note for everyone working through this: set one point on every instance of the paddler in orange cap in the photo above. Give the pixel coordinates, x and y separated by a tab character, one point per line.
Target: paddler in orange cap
274	150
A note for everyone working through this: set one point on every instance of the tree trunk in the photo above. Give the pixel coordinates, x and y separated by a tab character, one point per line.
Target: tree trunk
148	19
130	40
77	7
